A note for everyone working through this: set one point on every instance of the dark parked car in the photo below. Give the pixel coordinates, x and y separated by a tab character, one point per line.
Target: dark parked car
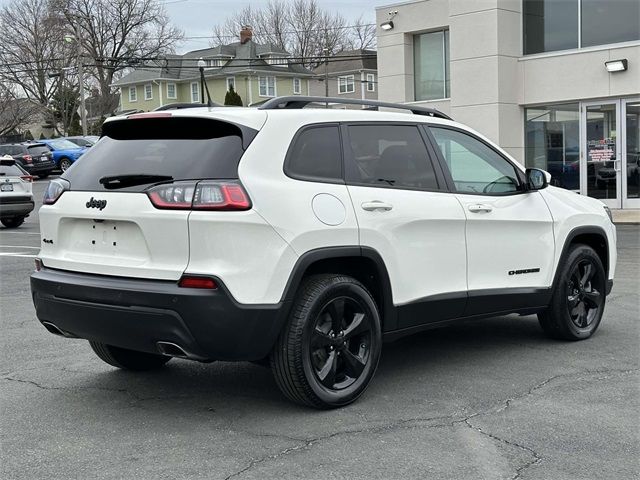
87	141
35	158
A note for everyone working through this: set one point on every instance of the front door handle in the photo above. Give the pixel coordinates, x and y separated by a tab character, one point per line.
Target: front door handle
376	205
480	208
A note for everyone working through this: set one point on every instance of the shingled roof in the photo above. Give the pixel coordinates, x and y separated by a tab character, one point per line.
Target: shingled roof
239	57
354	61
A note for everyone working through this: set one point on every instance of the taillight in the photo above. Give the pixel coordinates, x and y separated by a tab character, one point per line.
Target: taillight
203	195
54	190
27	158
26	178
197	282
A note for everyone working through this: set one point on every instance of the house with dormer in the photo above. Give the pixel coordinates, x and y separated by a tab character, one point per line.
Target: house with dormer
257	72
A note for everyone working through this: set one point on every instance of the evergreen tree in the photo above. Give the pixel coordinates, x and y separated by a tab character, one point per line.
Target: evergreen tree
232	98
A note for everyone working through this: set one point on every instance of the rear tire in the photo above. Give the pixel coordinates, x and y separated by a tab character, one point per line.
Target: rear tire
328	352
65	163
128	359
579	297
14	222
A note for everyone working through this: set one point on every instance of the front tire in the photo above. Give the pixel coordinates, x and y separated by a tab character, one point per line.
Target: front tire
14	222
328	352
128	359
579	297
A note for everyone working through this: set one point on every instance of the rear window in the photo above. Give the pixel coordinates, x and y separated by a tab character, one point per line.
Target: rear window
38	149
180	147
11	171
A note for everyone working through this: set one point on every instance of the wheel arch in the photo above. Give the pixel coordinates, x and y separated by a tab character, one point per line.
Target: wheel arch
362	263
593	236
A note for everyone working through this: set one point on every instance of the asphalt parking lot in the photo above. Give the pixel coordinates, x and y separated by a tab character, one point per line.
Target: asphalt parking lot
491	399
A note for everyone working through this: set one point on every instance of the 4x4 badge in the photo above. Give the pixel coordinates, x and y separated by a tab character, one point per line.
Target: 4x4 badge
99	204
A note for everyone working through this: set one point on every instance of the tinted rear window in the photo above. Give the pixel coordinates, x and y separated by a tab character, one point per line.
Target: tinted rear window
38	149
182	148
316	154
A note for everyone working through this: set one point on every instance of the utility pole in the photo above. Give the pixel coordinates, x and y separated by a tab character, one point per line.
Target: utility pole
326	67
80	67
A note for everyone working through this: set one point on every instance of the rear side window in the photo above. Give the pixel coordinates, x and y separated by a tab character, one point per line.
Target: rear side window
180	147
11	171
316	154
389	156
38	150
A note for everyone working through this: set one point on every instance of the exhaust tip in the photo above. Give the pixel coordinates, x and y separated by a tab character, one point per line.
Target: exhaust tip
56	330
172	350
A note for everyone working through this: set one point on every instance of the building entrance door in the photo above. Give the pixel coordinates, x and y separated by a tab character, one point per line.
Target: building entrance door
610	152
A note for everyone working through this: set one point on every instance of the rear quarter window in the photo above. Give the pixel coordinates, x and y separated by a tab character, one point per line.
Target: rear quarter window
181	147
316	154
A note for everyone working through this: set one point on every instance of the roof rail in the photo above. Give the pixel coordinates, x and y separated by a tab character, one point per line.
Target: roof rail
297	102
181	106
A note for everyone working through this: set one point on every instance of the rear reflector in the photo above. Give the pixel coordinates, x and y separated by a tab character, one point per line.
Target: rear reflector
39	264
27	178
197	282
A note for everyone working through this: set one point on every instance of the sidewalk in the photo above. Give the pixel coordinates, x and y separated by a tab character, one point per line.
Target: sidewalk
628	216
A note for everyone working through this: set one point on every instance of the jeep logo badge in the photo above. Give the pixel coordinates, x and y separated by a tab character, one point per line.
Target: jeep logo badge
99	204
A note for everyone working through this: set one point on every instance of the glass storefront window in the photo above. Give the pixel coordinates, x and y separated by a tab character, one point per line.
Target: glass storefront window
633	150
550	25
606	22
552	142
431	65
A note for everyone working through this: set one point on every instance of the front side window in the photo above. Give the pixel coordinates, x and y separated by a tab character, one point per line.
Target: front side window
148	92
267	86
371	82
316	154
133	94
346	84
171	91
474	166
296	86
388	156
431	65
552	142
195	92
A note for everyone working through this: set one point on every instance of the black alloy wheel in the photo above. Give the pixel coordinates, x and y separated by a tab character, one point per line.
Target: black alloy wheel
579	296
327	354
340	343
584	295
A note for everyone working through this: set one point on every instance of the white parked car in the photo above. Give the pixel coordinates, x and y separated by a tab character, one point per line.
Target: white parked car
16	197
304	237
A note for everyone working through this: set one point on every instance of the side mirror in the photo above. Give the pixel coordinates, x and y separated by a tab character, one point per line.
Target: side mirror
537	179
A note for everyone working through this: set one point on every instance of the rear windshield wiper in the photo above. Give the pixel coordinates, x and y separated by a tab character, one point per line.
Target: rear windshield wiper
122	181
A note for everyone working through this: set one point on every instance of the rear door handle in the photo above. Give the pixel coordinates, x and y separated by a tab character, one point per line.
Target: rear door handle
480	208
376	205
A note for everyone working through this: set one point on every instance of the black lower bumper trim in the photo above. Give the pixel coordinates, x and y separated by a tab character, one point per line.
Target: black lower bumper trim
609	286
136	314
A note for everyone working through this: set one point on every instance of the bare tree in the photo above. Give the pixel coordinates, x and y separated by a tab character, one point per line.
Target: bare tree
15	112
362	36
113	33
33	50
301	27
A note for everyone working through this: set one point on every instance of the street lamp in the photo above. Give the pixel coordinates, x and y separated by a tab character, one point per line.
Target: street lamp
201	65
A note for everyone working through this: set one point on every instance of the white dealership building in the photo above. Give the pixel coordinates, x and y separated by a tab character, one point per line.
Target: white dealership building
555	83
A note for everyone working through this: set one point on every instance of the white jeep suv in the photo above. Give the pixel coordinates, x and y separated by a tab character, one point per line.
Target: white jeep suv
306	237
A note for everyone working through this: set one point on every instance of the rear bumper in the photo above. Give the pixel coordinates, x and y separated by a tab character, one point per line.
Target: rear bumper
16	209
136	314
39	167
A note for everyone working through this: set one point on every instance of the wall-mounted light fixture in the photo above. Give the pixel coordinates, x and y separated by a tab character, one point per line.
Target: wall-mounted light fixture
388	25
617	65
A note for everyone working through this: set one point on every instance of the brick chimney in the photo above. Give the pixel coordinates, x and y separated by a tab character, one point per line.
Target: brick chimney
246	34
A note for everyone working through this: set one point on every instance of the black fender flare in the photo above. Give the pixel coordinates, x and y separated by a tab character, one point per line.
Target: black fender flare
388	311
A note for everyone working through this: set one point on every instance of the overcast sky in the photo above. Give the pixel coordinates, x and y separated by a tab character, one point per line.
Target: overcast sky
197	17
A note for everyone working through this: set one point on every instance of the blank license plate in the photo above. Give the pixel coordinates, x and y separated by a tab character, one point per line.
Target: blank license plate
6	188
